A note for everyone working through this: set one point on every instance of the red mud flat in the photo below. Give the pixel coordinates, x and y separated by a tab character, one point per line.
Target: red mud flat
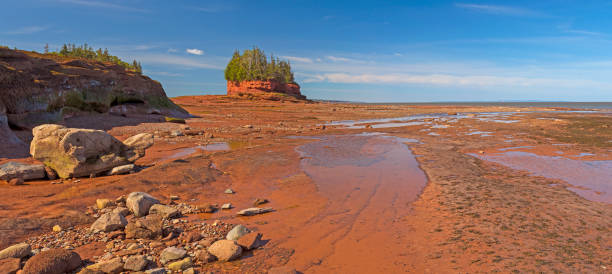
347	202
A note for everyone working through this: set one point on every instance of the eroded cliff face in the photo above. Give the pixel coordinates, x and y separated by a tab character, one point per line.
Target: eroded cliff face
43	88
263	88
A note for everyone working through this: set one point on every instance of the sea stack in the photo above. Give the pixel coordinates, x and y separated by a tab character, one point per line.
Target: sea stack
252	75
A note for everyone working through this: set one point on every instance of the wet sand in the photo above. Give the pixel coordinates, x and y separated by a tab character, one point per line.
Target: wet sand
351	202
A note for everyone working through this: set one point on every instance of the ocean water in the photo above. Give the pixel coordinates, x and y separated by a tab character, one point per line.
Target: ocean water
572	105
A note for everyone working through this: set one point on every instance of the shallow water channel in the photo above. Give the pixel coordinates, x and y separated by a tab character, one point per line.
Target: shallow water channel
370	182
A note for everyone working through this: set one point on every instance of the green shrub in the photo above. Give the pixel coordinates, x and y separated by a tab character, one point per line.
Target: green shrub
175	120
87	52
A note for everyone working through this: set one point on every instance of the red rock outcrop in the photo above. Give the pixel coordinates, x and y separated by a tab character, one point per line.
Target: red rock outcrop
263	88
41	88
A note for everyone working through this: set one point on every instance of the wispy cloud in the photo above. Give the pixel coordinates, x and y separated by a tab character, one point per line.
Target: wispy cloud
297	59
195	51
339	59
164	73
27	30
449	80
184	62
584	32
101	4
501	10
172	50
211	9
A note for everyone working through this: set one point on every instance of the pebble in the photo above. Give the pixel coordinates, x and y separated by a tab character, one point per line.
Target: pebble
226	206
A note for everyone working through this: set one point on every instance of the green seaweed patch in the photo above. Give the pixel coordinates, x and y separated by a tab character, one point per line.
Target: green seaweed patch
174	120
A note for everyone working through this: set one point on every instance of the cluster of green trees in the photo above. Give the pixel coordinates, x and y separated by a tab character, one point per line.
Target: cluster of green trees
253	65
87	52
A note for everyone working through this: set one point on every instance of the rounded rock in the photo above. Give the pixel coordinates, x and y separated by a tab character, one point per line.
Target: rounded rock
237	232
225	250
56	260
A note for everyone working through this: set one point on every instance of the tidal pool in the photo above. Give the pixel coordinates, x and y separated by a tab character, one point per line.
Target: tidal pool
591	179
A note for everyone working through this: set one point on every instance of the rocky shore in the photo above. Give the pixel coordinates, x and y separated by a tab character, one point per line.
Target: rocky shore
137	233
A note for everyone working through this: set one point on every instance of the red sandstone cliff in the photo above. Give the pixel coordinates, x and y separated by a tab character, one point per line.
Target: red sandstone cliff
36	87
45	88
263	88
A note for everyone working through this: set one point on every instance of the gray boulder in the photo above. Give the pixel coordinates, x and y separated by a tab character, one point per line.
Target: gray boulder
16	251
237	232
109	222
254	211
12	170
139	143
149	227
165	211
74	152
172	254
136	263
139	203
124	169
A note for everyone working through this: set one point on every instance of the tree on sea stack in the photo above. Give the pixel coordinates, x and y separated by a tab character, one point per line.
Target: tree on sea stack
251	74
253	65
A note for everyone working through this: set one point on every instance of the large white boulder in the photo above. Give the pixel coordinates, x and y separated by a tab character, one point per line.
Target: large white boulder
75	152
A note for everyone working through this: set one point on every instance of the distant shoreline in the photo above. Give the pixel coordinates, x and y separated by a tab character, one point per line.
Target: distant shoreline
576	105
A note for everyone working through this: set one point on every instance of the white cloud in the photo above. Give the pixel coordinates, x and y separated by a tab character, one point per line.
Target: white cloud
27	30
172	50
495	9
297	59
100	4
195	51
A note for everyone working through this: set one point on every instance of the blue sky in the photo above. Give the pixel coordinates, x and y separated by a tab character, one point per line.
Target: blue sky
376	51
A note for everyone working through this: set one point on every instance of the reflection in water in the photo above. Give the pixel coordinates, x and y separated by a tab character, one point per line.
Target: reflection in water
353	159
369	183
221	146
594	175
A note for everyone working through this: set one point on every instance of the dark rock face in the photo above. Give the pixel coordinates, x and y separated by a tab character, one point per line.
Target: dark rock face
263	88
12	146
37	89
